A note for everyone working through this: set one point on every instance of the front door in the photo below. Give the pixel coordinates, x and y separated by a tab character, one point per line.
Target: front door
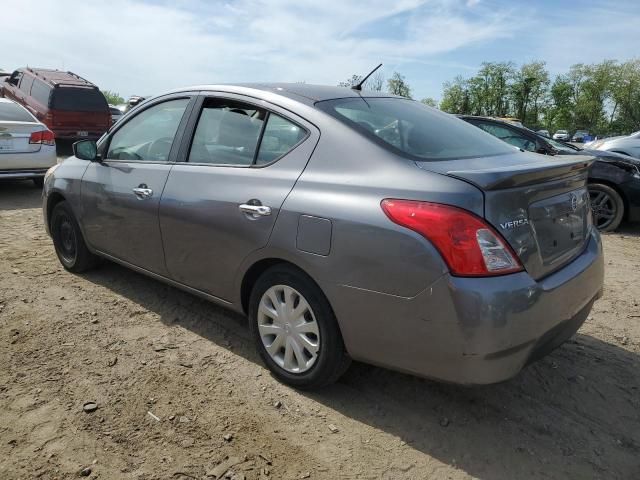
221	203
121	194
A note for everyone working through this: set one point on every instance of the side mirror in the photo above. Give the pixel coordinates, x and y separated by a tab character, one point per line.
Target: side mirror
86	150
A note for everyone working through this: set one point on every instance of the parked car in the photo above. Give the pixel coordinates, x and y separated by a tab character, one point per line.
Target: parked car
544	133
27	147
628	145
614	179
345	224
69	105
134	101
562	135
116	113
579	136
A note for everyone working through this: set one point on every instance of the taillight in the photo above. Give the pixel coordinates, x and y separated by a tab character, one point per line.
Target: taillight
44	137
468	245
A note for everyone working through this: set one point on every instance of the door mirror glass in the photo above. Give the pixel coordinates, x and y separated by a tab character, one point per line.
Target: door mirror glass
86	150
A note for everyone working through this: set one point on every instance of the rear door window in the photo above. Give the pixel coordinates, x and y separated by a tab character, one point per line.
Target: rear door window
280	137
78	100
12	112
40	91
26	83
149	135
227	133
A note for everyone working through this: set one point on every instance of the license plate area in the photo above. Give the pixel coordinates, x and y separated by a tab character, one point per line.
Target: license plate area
561	224
6	144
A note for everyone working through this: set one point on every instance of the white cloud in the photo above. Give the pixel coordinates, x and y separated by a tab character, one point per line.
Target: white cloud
135	47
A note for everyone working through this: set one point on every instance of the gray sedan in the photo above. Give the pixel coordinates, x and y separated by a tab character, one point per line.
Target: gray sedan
629	145
344	224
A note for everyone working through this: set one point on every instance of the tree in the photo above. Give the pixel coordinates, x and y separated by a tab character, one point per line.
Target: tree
397	85
431	102
375	82
455	98
113	98
529	88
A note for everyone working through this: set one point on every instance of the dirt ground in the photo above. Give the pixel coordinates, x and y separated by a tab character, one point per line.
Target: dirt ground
181	394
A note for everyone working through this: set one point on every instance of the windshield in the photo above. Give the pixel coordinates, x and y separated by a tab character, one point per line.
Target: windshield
12	112
411	128
79	100
561	147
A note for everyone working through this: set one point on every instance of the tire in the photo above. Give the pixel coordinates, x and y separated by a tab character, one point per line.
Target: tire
607	207
331	359
38	182
68	241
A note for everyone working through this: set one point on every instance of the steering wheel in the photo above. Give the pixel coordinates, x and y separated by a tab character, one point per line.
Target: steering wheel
159	149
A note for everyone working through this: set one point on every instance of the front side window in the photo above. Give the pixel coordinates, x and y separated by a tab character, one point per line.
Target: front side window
149	135
412	129
507	135
15	78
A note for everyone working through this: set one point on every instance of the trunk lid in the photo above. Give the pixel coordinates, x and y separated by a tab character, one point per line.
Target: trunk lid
14	137
539	204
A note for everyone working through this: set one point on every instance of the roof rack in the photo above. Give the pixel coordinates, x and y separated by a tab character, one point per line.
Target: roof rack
58	78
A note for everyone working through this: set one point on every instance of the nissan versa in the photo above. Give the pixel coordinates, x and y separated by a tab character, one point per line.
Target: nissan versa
346	225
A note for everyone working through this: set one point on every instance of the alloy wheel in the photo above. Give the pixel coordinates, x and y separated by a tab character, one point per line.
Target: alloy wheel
604	208
288	329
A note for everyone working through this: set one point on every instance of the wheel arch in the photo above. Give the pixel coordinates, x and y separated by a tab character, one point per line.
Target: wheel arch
53	199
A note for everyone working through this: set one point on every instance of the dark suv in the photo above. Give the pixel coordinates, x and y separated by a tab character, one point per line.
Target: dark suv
69	105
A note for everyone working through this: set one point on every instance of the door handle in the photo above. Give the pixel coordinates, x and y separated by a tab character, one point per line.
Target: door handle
142	192
255	210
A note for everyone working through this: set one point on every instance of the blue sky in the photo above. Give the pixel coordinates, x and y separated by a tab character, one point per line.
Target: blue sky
149	46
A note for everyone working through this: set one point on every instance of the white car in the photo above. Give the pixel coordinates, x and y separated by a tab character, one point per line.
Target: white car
562	135
629	145
27	147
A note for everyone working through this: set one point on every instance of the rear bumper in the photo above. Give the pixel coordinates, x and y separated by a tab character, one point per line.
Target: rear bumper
472	330
23	174
72	133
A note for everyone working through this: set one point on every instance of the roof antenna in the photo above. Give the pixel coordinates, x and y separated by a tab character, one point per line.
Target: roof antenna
359	85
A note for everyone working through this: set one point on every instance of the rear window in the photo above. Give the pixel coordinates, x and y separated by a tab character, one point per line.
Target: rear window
11	112
413	129
78	100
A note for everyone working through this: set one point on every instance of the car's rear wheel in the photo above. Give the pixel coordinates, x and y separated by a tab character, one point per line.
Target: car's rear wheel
607	207
295	330
68	241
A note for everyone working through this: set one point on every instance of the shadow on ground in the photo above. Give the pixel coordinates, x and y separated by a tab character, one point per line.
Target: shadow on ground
578	408
19	194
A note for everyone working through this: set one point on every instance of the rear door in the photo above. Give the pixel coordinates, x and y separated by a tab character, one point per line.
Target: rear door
221	202
121	194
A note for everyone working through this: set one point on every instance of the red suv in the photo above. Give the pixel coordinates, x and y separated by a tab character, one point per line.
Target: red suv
69	105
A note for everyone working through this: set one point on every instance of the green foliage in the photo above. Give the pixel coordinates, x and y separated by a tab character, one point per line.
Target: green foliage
397	85
113	98
374	83
431	102
602	98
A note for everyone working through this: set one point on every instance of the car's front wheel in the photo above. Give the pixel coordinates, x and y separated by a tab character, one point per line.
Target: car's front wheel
68	241
295	330
607	207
